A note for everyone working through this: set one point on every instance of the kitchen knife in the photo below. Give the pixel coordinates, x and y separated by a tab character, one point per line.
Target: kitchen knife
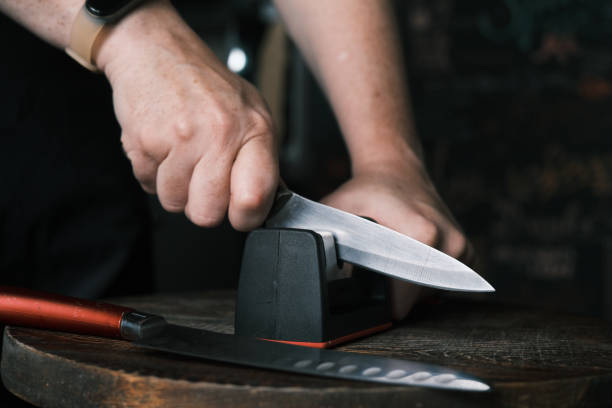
375	247
24	307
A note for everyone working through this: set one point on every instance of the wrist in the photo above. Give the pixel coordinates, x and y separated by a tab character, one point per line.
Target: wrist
141	26
386	154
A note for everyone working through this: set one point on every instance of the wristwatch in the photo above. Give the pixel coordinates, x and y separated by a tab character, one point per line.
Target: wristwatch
89	23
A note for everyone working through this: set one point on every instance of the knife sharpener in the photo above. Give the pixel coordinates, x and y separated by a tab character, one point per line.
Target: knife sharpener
293	290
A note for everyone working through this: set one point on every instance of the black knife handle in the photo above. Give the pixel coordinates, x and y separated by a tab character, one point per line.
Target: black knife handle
283	194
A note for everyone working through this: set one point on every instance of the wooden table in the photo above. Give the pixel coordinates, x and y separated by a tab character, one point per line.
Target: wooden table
530	357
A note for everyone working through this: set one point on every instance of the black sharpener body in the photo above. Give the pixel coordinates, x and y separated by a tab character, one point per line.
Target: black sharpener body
291	289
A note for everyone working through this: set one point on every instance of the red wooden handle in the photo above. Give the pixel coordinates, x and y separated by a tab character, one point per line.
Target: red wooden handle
26	307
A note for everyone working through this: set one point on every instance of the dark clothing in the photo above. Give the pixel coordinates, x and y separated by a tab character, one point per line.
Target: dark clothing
73	220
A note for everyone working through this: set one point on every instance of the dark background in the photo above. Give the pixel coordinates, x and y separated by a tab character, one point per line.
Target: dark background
512	102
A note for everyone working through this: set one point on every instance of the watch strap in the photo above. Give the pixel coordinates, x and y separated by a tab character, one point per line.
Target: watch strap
85	31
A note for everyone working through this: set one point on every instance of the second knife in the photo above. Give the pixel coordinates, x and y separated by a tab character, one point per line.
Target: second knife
24	307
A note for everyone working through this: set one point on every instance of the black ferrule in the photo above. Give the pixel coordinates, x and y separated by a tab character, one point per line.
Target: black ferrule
138	325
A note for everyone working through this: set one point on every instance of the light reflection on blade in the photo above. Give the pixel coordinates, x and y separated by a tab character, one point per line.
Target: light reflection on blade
245	351
378	248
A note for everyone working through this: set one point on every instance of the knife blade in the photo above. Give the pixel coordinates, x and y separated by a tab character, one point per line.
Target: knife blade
30	308
375	247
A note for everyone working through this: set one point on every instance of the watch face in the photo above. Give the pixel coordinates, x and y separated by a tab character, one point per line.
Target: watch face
106	8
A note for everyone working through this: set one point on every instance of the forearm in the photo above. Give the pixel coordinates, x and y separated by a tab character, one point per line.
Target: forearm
50	19
353	48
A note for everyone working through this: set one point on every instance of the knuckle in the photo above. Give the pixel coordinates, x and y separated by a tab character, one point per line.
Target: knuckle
250	202
136	158
458	244
153	145
125	143
130	151
140	161
132	140
133	156
127	139
260	123
183	128
224	123
143	169
426	231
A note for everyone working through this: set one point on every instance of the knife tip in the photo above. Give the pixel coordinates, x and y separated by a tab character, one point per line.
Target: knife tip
481	283
487	287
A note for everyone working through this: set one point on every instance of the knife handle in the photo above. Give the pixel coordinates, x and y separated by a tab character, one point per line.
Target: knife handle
26	307
283	194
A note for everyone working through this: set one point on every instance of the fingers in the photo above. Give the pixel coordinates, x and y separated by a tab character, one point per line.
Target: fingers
247	186
469	255
209	191
199	184
412	210
447	238
403	296
457	245
439	233
173	179
144	168
436	231
423	229
254	180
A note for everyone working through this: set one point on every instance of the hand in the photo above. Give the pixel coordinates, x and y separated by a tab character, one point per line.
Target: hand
196	134
402	197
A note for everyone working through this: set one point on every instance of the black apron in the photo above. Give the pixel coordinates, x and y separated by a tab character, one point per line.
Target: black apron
73	220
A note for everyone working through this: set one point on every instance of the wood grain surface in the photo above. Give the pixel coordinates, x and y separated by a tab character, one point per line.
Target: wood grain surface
532	358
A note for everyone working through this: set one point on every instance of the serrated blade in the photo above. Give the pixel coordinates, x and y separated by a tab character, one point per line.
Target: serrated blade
375	247
304	360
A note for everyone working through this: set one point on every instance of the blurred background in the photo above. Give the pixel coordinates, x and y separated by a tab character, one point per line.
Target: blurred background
512	101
